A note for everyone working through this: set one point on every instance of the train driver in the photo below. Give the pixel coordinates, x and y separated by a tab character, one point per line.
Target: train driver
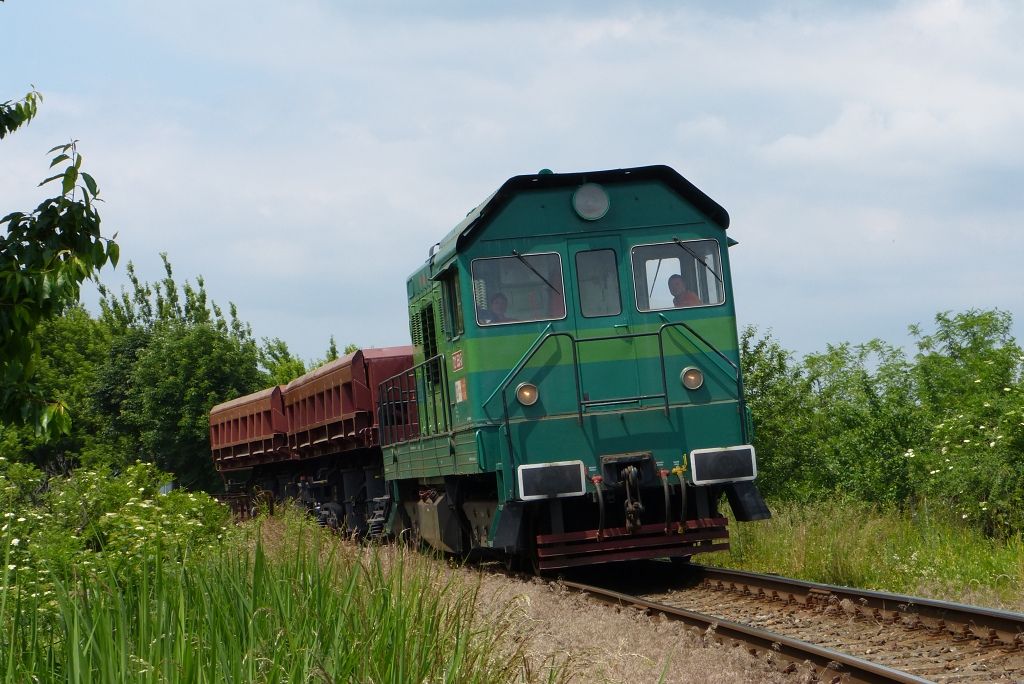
497	308
498	305
681	295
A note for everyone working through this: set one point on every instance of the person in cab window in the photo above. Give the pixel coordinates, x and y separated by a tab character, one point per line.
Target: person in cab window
497	307
681	295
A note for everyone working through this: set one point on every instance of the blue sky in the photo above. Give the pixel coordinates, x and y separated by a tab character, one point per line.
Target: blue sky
303	156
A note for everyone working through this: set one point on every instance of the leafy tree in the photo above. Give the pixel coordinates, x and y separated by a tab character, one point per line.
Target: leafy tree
332	350
72	347
969	373
184	371
969	359
863	421
173	356
349	348
14	115
280	364
776	394
863	415
331	354
45	255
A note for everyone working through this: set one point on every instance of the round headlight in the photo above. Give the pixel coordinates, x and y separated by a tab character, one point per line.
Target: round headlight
590	201
692	378
527	394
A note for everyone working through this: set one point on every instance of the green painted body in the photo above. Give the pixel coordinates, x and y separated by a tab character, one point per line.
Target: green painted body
478	438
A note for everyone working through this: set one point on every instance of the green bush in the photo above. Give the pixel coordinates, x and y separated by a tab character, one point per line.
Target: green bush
864	423
95	522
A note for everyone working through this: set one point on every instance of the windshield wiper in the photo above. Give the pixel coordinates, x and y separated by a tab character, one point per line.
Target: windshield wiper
697	259
526	263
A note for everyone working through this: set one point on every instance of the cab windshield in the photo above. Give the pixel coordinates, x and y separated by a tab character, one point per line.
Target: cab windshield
678	274
518	288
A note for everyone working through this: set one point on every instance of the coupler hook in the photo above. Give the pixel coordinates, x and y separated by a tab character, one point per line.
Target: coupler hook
633	507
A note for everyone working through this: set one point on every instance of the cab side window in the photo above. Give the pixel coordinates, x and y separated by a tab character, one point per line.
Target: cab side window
598	280
454	325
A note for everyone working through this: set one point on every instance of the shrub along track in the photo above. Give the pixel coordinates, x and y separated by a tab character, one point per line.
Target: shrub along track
865	635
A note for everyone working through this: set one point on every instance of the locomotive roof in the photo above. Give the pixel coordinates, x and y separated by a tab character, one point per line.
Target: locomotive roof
479	215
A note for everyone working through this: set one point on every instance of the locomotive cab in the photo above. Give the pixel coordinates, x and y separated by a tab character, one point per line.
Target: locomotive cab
576	394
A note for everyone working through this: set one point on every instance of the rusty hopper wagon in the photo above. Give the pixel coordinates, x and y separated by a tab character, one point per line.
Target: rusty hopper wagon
573	394
314	440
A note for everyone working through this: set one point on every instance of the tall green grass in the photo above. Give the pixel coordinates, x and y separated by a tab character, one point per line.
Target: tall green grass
304	609
927	551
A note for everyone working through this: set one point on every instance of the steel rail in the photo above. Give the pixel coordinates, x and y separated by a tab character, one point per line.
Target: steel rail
985	623
849	667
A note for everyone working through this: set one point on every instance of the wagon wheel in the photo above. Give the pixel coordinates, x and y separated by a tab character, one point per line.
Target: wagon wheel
333	514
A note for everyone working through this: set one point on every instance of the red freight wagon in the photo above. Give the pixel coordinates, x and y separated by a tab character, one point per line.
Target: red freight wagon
315	440
249	430
333	408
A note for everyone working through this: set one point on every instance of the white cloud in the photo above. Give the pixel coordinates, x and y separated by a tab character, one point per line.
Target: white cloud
299	154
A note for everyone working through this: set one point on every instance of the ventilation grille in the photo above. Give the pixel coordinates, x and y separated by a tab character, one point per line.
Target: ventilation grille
444	321
416	330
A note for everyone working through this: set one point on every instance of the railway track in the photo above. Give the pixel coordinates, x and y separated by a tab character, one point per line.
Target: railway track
845	634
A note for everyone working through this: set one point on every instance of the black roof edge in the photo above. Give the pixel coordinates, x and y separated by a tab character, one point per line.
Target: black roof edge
516	184
667	174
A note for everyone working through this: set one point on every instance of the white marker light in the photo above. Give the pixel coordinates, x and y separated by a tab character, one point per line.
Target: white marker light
590	201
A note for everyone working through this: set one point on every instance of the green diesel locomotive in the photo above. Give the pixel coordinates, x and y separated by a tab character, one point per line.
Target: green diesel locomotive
572	395
576	396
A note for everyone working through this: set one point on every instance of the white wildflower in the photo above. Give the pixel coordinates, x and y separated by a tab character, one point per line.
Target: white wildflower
933	472
21	520
15	541
964	516
12	567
